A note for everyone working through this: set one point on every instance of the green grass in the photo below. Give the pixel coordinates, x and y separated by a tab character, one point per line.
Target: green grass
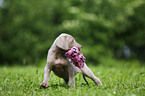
119	78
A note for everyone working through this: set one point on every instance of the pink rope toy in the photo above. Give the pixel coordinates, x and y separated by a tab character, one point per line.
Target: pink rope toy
76	57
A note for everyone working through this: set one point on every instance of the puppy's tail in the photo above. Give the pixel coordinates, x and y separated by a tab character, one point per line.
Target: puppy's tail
85	79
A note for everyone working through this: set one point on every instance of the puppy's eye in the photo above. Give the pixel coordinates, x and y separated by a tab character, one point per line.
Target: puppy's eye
73	41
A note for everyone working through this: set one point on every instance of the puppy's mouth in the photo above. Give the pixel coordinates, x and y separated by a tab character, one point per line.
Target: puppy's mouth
79	49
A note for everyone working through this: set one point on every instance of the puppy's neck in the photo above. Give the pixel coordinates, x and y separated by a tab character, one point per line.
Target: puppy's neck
60	52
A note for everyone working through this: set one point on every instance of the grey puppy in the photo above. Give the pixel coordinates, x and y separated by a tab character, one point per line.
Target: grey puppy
60	65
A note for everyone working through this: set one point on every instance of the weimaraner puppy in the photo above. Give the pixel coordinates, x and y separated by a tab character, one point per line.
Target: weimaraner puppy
61	66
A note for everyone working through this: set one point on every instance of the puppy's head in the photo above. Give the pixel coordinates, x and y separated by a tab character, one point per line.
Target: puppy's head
66	42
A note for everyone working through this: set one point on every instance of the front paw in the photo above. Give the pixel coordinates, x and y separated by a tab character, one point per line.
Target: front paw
44	85
99	83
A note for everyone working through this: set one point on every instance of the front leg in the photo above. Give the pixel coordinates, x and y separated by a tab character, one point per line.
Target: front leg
71	77
87	72
46	77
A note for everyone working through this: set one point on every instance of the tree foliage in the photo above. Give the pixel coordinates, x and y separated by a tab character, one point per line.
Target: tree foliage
29	27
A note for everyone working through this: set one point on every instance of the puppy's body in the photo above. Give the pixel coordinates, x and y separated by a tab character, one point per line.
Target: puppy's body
60	65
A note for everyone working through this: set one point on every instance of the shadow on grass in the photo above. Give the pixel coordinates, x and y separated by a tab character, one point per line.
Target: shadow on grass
55	86
65	86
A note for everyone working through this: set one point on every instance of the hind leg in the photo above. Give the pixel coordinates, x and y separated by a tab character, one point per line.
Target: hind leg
66	82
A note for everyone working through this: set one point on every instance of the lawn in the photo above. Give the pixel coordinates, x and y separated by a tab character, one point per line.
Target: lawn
119	78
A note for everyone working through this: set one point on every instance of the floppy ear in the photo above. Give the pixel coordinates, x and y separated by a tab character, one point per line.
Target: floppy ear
62	43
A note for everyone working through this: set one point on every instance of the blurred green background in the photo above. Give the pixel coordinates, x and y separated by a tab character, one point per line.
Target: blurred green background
105	28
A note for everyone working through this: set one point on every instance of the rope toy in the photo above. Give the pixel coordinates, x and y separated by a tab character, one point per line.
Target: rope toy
76	57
